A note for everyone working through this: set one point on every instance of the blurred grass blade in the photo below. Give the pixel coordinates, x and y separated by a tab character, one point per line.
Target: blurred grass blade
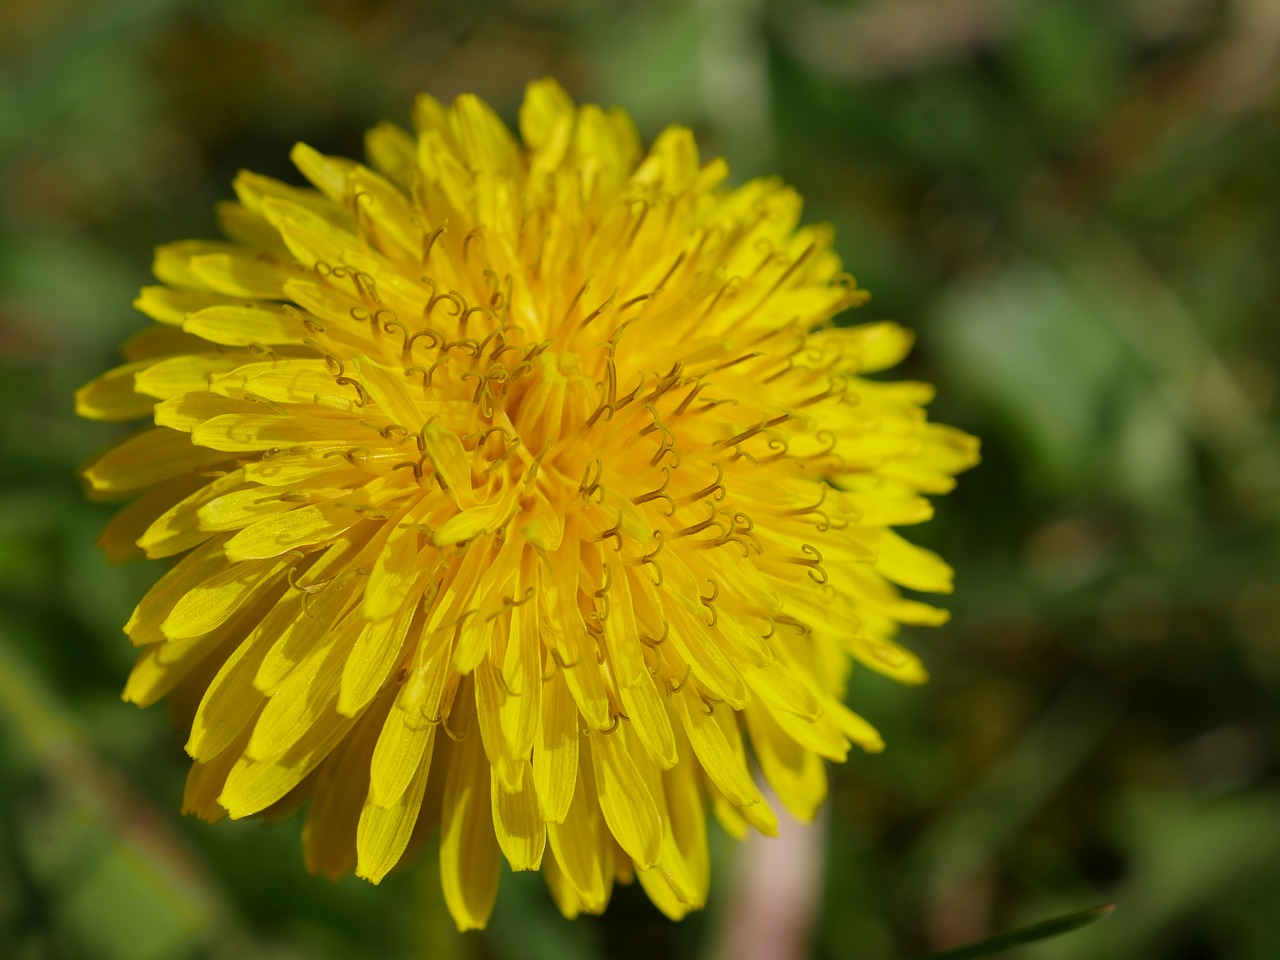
1024	935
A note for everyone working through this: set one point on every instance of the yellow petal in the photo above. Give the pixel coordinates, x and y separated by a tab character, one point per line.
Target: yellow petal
672	161
167	305
384	831
284	380
669	883
796	774
468	847
389	390
522	670
736	820
237	433
391	151
408	736
451	463
462	582
393	574
784	689
486	142
562	891
878	346
625	801
232	699
205	781
243	326
120	538
333	816
161	666
715	737
311	615
240	223
308	693
555	752
149	457
232	509
518	824
253	785
887	658
240	273
157	603
211	602
688	817
172	265
157	342
189	410
490	696
711	667
475	609
177	528
231	703
568	637
189	373
375	653
328	174
254	189
545	110
385	212
728	816
112	396
911	566
856	728
428	114
648	712
582	846
313	239
303	527
623	634
822	736
469	523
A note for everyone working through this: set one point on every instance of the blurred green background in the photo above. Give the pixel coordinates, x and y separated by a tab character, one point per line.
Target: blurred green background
1076	203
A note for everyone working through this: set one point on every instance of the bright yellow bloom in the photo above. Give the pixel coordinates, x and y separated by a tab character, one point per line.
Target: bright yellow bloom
518	489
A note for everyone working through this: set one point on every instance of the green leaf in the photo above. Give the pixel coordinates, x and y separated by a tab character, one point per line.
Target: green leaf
1024	935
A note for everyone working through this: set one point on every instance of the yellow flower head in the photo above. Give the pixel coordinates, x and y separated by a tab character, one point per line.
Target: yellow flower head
518	490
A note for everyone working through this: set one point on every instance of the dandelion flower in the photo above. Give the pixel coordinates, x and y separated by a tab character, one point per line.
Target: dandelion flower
520	489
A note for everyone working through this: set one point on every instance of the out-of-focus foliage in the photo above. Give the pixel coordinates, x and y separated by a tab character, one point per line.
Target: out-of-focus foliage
1077	205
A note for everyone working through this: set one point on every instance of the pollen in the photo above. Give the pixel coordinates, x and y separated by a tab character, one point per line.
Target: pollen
520	490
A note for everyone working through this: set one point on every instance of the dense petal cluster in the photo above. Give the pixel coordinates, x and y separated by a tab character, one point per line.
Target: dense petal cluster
519	491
